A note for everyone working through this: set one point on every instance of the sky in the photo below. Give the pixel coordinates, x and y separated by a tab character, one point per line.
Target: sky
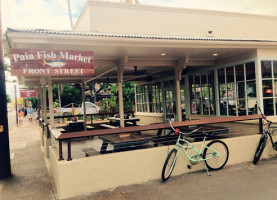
53	14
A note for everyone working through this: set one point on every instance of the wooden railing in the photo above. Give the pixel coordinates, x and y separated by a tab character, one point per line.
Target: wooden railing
88	115
159	127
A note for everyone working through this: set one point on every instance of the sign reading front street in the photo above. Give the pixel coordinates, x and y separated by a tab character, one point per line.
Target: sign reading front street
30	62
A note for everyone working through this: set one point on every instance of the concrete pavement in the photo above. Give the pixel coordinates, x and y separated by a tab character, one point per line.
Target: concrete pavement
241	182
30	178
32	181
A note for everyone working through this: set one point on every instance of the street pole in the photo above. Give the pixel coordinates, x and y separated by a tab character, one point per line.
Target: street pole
5	162
15	105
69	12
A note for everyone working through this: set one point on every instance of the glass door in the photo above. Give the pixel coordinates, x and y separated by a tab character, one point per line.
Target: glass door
170	104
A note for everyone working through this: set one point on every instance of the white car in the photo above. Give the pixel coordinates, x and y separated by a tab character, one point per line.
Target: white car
91	108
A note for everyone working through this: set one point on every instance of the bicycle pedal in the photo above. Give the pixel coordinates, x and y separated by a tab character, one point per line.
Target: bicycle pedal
189	166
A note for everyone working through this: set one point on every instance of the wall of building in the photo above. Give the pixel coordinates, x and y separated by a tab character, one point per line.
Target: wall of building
267	53
110	17
96	173
84	20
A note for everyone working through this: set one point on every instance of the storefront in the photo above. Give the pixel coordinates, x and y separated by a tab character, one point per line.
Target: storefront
215	64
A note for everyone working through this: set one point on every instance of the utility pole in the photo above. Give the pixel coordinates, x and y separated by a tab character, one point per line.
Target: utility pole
15	96
5	162
69	12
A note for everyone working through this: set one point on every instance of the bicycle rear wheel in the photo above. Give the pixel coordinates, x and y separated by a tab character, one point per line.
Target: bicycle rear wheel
169	164
260	148
216	162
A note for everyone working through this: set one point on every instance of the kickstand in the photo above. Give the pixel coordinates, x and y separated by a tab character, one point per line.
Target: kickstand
207	169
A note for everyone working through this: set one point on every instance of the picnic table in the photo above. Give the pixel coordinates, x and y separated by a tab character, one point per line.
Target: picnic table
116	121
134	140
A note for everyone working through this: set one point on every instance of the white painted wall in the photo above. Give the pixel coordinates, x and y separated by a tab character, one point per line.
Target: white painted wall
102	172
111	17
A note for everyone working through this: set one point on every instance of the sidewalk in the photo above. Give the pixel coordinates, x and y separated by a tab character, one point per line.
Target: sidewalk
239	182
31	180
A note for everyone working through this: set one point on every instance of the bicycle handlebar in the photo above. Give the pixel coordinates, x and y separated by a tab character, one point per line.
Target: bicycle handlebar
265	118
178	131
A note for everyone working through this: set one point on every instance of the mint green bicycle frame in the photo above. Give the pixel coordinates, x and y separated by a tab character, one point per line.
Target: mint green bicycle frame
198	157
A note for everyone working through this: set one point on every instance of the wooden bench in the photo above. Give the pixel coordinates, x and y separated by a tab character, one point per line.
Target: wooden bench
108	126
61	130
90	152
129	123
90	127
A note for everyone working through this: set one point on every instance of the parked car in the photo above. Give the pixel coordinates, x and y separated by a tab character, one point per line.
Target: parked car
91	108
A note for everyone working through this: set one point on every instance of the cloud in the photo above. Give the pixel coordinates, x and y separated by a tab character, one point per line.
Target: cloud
45	14
53	14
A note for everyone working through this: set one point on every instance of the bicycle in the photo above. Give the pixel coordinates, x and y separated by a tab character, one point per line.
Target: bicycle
269	131
215	154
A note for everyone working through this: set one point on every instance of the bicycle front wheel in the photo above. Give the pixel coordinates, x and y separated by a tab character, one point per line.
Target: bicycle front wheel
260	148
215	161
169	164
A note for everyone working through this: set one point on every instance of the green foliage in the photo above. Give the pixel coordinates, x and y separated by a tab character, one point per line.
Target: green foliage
56	104
128	90
7	67
70	94
8	99
33	100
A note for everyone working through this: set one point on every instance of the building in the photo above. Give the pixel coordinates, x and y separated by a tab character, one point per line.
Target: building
184	61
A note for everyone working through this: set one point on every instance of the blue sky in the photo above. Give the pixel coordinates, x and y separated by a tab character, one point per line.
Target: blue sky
53	14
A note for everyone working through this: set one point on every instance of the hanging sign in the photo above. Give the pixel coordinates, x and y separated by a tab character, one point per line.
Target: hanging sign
30	62
28	93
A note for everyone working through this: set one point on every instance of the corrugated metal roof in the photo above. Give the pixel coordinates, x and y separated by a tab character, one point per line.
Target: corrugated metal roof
116	35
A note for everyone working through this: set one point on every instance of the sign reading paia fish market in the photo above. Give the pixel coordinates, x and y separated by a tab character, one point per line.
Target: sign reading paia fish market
30	62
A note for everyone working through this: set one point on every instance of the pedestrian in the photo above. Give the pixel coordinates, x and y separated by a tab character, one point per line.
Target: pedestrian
30	111
35	115
20	115
25	111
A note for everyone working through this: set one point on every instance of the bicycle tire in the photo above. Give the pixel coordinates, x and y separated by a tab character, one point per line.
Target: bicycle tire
219	162
169	164
260	148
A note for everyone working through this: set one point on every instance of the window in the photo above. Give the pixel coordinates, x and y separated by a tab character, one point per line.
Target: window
201	87
141	97
155	97
237	89
149	94
269	82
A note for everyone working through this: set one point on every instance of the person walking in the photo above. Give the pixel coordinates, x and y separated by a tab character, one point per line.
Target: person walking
20	115
30	111
35	115
25	111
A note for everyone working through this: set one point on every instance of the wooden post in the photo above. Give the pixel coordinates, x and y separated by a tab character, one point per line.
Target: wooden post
44	111
178	76
69	158
84	105
50	98
120	71
60	150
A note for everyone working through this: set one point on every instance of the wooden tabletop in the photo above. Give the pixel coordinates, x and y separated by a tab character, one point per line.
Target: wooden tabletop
75	122
126	120
114	139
